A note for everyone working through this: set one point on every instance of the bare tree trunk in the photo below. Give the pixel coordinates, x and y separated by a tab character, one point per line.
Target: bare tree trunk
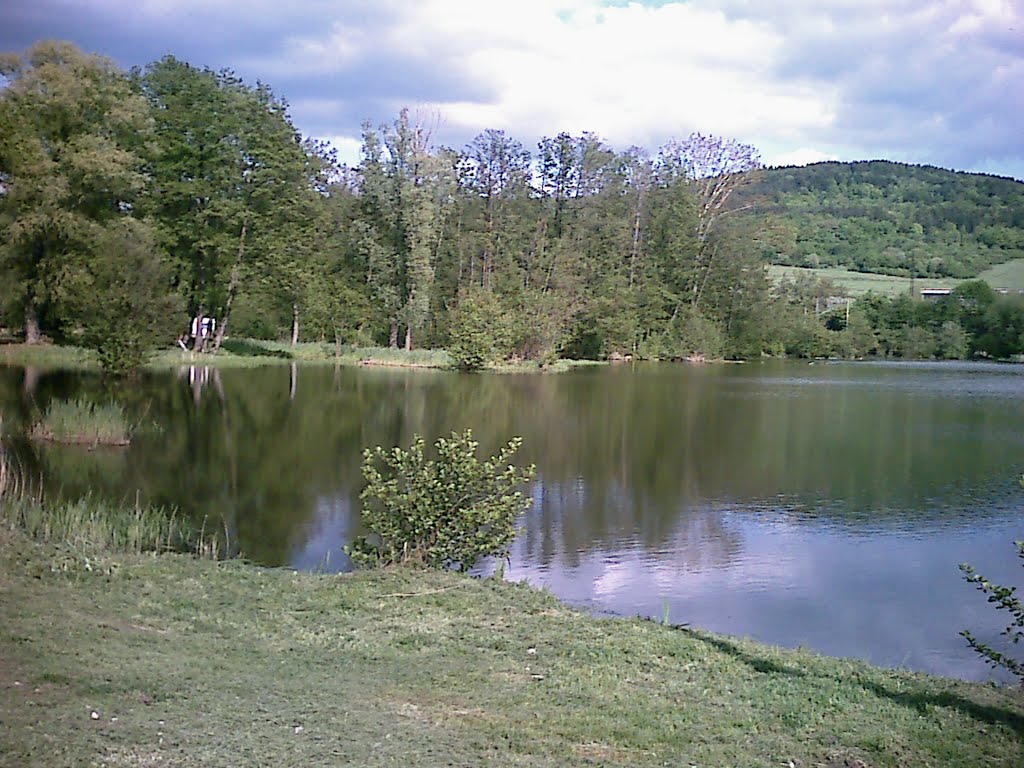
634	250
295	324
200	345
32	332
393	336
233	285
408	338
30	382
222	328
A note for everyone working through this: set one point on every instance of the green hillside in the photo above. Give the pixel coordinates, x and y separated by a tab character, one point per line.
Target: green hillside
891	218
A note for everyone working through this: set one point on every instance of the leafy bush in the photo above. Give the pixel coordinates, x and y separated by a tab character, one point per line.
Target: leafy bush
1004	599
479	331
446	512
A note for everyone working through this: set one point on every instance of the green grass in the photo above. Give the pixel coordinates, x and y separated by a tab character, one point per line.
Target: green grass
250	353
48	356
254	353
89	529
94	526
859	283
1008	275
188	662
531	366
82	422
416	358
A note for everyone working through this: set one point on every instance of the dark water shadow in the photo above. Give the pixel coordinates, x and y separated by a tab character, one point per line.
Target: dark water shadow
916	699
756	663
920	701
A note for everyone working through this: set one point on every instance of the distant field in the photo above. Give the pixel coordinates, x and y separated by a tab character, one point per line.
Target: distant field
858	283
1008	275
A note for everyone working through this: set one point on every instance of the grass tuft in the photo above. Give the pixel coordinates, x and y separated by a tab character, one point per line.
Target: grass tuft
416	358
81	422
91	526
95	525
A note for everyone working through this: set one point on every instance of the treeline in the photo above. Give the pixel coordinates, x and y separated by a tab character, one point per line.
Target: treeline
132	203
973	321
893	218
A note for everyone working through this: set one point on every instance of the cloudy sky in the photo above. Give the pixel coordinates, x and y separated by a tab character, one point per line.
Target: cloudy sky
921	81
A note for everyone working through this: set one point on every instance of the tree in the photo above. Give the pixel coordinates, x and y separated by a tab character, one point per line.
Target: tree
70	131
480	331
233	187
951	341
494	173
193	179
406	192
715	168
446	512
121	300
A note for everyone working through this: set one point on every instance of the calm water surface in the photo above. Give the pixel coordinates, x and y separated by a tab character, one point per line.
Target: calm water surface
823	505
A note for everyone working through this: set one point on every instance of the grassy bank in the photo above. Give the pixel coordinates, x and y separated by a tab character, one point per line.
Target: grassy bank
237	353
48	356
168	660
253	353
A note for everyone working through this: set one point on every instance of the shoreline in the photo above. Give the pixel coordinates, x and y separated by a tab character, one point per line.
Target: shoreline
51	356
197	662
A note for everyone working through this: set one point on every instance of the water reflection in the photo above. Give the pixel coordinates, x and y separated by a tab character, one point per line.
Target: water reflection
822	505
889	598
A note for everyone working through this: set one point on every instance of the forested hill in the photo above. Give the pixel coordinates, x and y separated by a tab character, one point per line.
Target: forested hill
881	216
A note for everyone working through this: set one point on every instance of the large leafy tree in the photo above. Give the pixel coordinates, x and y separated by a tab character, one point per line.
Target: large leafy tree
231	186
406	192
71	132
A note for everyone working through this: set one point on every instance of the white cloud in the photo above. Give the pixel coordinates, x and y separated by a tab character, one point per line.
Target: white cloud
800	156
632	74
347	147
914	80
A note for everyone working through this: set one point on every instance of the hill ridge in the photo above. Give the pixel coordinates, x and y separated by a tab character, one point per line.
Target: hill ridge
887	217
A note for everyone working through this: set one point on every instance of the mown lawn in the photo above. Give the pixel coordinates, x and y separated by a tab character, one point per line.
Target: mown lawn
1009	275
172	661
859	283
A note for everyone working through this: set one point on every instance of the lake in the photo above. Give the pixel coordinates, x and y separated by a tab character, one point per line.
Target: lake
824	505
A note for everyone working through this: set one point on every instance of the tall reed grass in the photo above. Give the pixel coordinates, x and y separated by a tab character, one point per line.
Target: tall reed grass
82	422
97	526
